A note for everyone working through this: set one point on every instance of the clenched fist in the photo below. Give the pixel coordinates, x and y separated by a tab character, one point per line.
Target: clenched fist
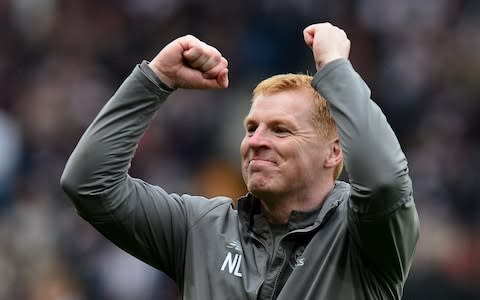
327	42
190	63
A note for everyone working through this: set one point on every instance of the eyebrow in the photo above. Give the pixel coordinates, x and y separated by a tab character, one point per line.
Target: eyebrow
274	121
247	120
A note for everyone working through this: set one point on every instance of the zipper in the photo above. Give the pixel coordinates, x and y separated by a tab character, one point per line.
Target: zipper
285	258
266	265
270	261
303	230
281	270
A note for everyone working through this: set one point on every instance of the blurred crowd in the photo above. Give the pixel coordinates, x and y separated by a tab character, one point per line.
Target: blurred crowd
60	60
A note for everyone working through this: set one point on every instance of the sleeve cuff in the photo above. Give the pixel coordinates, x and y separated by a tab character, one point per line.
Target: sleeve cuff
323	72
148	72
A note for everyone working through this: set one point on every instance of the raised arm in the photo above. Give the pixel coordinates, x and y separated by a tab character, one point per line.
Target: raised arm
142	219
382	216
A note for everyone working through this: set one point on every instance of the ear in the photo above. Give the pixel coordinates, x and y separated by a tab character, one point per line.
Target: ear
335	154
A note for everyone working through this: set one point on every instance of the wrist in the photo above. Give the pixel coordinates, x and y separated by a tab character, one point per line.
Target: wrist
149	71
169	83
325	60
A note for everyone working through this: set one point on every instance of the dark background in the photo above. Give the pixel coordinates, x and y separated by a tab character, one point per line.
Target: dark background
60	60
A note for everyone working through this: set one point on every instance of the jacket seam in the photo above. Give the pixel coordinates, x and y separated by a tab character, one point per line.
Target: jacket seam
142	76
368	216
202	215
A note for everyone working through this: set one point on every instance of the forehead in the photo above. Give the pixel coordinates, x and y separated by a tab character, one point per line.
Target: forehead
294	105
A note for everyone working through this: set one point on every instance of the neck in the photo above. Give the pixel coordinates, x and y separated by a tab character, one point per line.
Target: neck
277	208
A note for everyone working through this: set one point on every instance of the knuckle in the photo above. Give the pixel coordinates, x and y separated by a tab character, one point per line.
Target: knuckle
224	62
190	36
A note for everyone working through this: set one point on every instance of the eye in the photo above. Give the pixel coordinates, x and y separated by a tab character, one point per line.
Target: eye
281	131
250	128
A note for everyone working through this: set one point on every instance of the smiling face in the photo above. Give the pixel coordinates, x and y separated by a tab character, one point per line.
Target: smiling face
283	153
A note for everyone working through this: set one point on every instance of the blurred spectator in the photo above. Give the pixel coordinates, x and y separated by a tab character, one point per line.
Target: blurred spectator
10	148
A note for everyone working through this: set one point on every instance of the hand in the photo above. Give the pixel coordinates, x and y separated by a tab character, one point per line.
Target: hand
190	63
327	42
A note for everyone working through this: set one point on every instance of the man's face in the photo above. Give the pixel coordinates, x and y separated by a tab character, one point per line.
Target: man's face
282	152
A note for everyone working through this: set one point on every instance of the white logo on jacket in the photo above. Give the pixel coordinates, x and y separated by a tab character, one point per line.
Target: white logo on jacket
233	260
297	259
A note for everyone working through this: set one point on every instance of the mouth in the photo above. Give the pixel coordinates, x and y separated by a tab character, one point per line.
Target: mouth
258	162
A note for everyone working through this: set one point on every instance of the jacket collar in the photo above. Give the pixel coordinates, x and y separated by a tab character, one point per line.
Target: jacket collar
249	211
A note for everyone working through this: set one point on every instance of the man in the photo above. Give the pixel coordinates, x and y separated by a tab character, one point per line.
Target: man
298	233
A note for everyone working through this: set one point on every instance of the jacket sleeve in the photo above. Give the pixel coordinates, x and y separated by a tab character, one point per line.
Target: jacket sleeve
382	218
140	218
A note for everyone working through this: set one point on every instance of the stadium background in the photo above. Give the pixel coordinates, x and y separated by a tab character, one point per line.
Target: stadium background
61	60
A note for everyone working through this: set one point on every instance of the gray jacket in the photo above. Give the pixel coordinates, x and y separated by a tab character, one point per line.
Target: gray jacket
358	245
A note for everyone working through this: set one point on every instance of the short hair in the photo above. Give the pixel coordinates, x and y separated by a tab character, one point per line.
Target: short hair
321	117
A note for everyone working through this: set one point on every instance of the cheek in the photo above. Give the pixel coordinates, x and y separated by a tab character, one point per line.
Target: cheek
315	160
243	148
309	158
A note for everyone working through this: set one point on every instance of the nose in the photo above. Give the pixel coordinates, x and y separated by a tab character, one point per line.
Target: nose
259	138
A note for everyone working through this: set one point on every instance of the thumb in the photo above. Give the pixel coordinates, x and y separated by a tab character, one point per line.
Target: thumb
219	82
222	79
308	35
